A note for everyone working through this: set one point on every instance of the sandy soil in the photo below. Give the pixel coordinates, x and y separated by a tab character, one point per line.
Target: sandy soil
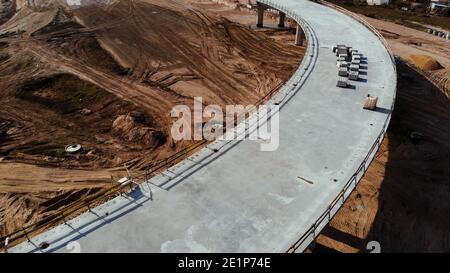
107	77
406	41
402	202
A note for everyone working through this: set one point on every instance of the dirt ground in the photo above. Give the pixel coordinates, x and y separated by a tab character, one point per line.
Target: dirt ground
106	77
403	200
413	18
406	41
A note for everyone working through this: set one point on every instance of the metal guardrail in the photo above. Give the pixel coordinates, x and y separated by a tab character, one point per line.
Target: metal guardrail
312	232
363	22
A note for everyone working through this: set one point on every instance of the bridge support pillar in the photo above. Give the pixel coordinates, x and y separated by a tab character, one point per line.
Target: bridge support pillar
299	36
281	19
260	21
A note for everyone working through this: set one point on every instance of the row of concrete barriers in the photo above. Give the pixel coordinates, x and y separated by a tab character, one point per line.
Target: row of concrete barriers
442	34
348	63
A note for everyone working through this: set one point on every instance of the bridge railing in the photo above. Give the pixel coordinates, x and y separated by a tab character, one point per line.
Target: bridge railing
307	236
311	233
365	23
93	200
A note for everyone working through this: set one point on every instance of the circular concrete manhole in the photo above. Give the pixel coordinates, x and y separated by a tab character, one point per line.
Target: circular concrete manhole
44	245
73	148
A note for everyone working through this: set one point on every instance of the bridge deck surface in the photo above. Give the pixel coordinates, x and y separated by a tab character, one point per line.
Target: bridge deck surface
247	200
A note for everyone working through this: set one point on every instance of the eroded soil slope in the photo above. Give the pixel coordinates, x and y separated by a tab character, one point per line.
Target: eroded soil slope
106	77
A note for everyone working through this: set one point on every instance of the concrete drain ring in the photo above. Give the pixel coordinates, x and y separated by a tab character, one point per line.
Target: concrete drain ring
44	245
73	148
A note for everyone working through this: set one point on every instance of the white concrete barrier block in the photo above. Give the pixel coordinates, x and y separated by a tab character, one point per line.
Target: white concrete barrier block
342	82
354	67
354	76
342	64
343	72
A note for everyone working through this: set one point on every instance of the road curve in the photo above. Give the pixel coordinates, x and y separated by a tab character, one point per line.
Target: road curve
241	199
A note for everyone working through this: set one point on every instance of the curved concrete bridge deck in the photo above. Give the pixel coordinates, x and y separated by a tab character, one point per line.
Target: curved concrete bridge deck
245	200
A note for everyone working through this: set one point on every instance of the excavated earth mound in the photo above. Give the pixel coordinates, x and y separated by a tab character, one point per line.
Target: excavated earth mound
128	127
425	63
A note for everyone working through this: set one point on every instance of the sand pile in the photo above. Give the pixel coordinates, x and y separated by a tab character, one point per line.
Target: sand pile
425	63
441	78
